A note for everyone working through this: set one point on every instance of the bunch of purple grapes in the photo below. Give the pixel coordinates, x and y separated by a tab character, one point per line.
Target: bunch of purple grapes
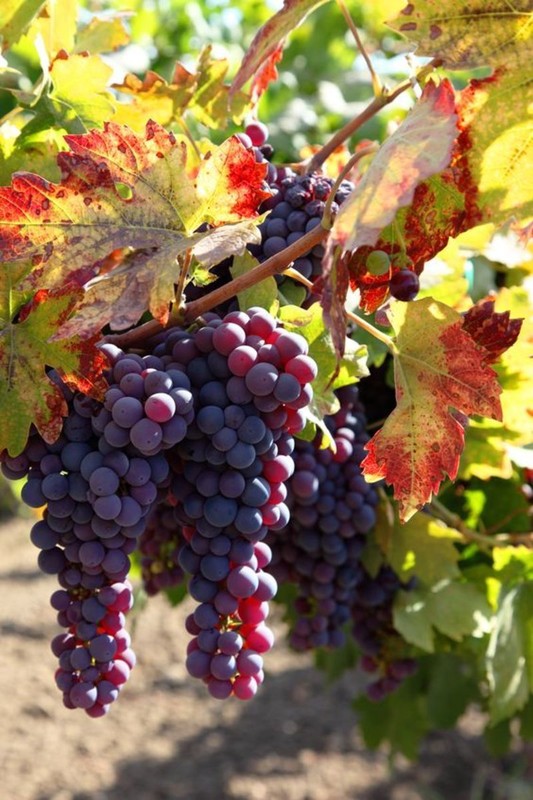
251	381
332	509
98	483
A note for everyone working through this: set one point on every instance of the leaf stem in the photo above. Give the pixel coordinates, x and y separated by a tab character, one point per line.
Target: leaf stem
371	110
327	219
485	542
361	323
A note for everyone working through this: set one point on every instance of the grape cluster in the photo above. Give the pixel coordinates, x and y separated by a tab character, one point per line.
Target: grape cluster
332	508
296	207
250	379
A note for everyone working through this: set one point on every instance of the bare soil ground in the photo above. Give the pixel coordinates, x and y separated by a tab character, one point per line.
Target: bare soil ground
166	740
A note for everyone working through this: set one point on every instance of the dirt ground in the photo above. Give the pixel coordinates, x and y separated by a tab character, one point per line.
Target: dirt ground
165	739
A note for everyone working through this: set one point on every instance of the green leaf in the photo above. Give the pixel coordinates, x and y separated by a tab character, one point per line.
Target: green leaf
509	658
451	689
452	608
411	619
498	738
500	505
15	17
485	455
386	721
264	294
421	546
468	33
79	98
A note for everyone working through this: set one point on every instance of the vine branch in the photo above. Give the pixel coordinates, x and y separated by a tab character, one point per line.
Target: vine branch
370	111
484	541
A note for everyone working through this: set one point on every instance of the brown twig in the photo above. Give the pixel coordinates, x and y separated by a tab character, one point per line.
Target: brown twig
484	541
272	266
196	308
376	83
371	110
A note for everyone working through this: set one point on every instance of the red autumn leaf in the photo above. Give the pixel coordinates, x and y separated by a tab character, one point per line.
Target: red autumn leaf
420	147
121	190
494	332
440	374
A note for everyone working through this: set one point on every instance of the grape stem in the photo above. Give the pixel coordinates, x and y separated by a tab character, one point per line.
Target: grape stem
379	102
485	542
359	321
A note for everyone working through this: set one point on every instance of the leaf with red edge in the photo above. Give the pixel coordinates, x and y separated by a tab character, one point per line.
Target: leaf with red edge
489	180
27	394
494	332
416	234
421	146
440	375
122	190
271	37
266	73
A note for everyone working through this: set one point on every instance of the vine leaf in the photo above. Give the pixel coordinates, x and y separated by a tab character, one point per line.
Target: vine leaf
202	92
271	37
420	147
15	17
27	394
440	374
121	190
468	33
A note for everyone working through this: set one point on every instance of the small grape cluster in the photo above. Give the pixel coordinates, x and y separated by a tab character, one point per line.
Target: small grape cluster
251	381
332	509
297	206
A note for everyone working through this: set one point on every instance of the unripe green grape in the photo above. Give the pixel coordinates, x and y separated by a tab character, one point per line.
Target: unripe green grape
378	262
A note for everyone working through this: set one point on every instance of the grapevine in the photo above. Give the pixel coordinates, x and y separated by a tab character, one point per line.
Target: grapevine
255	377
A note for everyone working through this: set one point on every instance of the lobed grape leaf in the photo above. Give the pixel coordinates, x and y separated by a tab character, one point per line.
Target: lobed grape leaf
421	146
27	394
202	92
439	370
122	190
270	37
78	98
422	546
468	33
455	609
15	17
